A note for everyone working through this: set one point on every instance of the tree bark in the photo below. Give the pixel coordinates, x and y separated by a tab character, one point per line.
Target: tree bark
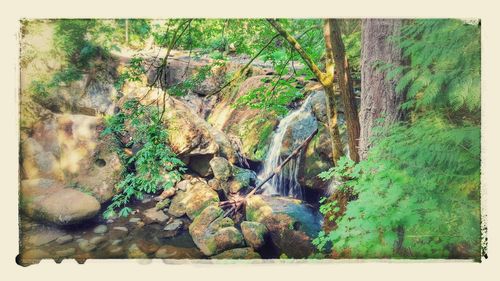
126	32
335	50
378	95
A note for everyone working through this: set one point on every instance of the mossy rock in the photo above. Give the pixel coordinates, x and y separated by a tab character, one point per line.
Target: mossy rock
255	135
316	159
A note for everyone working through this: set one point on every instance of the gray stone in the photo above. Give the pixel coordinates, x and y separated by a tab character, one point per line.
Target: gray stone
56	204
134	252
100	229
121	228
238	253
174	225
254	233
64	239
212	233
43	236
86	246
193	201
66	253
97	240
134	220
221	168
154	216
116	242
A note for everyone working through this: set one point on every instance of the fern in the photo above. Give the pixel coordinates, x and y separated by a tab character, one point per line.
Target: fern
422	178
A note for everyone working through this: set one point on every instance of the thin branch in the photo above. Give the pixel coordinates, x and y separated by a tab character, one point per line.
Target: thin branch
240	72
322	77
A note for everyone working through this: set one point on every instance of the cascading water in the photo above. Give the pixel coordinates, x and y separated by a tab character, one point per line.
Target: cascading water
292	130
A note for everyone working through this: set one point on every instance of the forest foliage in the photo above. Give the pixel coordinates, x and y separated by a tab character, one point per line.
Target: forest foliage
416	195
418	192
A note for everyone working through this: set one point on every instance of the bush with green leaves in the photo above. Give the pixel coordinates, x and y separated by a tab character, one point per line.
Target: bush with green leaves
153	167
418	191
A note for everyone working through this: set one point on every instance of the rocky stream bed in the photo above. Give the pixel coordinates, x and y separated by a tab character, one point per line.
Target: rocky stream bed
68	172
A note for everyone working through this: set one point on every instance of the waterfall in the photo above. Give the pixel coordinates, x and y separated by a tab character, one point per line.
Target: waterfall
300	123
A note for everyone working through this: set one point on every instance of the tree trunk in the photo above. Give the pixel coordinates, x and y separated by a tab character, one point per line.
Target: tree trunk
378	95
333	128
326	80
126	32
335	46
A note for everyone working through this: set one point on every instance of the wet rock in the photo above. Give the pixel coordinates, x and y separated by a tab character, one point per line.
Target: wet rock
97	240
167	193
64	239
116	251
288	222
121	228
86	246
184	184
214	234
174	225
228	238
33	256
218	185
134	220
193	201
244	177
42	236
172	229
66	253
172	252
238	253
100	229
318	105
154	216
50	201
221	168
116	242
254	233
147	247
257	209
235	186
134	252
316	158
299	128
163	204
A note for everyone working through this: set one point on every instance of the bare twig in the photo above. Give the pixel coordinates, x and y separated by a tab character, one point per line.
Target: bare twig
242	70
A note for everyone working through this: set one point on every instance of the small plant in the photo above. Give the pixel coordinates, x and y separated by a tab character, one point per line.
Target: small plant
153	167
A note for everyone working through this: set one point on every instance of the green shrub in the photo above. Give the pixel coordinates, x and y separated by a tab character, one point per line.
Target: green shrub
154	166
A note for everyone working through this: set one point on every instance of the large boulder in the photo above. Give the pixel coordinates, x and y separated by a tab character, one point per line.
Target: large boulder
50	201
249	129
221	168
194	140
72	144
290	223
254	233
238	254
193	200
256	209
316	158
39	163
213	234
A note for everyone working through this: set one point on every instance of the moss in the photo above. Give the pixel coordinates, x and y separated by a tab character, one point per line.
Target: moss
256	136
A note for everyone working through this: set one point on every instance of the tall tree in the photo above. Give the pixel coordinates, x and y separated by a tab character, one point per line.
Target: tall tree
336	51
335	55
378	94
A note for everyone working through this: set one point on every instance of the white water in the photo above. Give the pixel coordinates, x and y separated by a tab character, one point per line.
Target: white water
285	183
